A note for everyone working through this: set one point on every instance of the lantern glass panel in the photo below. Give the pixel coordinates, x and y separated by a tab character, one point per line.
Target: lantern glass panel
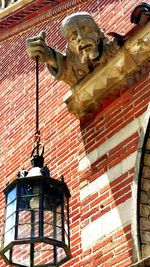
52	213
21	254
60	254
27	192
52	197
11	195
48	224
11	208
28	212
28	224
10	217
43	254
66	221
9	236
58	217
58	224
7	254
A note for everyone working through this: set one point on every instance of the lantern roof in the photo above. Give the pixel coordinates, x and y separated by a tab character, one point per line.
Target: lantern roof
37	175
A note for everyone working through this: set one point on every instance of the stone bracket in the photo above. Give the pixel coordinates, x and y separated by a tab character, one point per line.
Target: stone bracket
104	80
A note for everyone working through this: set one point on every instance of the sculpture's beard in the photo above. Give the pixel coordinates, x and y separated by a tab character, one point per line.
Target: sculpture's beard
88	55
88	51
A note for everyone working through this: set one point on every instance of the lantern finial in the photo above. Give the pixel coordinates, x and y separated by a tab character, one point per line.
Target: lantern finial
37	160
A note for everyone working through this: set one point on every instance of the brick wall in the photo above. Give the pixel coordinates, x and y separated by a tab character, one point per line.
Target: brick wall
96	157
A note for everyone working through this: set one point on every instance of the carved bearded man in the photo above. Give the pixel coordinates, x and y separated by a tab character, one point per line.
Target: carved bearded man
85	43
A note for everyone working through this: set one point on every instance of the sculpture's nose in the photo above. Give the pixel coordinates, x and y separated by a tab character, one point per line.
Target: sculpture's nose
80	35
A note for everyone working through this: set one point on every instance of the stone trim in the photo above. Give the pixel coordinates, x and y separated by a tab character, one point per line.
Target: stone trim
12	7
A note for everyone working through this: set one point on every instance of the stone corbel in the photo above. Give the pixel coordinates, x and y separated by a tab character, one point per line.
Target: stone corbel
104	80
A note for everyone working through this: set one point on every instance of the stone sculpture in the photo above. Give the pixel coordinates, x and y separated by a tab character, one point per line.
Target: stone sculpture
87	47
92	65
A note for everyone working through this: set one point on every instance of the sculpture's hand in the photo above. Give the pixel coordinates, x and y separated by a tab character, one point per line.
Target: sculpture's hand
36	46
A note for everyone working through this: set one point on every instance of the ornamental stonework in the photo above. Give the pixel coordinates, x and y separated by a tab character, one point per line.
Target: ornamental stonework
92	65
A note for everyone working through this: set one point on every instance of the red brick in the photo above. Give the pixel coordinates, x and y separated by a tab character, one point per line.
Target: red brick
122	231
121	200
103	243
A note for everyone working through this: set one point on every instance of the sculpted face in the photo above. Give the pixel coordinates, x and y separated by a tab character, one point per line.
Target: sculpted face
82	35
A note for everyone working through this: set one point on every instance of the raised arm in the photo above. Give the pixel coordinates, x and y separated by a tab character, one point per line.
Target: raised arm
36	46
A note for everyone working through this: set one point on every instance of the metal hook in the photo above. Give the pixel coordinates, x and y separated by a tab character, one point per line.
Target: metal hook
37	148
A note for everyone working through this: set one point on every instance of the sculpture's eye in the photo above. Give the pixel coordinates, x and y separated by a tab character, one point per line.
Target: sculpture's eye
73	36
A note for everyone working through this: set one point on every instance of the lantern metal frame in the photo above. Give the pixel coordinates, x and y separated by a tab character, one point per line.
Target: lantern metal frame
56	186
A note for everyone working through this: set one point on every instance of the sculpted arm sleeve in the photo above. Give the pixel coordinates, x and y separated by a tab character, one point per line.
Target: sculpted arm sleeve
56	64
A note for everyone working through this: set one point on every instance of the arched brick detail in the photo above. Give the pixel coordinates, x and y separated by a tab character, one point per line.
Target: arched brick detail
143	203
141	198
141	175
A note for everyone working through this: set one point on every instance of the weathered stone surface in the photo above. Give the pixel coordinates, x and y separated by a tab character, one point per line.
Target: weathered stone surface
147	262
145	237
144	198
144	210
147	160
146	172
142	263
87	48
145	185
138	264
145	224
139	51
148	144
145	250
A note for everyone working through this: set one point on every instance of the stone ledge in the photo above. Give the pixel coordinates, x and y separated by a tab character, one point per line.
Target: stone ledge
13	7
89	93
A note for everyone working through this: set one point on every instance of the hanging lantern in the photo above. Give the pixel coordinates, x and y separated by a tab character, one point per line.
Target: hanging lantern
36	229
